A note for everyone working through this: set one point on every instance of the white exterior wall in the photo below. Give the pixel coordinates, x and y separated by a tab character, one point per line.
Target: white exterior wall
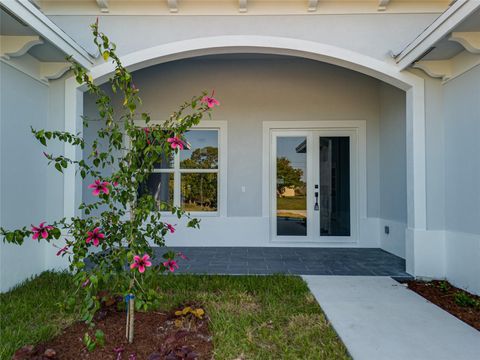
374	35
462	180
23	177
393	181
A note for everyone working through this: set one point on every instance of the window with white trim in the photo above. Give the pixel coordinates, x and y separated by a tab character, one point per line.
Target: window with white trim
190	178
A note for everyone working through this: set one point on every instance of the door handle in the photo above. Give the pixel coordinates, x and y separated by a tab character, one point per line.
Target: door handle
315	207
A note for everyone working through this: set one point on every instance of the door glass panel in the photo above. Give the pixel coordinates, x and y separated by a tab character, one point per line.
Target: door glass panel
335	186
291	191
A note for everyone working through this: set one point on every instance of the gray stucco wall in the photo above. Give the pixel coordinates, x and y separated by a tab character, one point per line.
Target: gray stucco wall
393	181
371	34
461	109
256	89
23	189
462	148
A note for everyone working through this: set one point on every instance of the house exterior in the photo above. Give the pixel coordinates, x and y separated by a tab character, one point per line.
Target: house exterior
342	123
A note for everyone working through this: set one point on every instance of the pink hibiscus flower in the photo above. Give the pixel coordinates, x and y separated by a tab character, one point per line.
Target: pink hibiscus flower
147	134
182	255
95	236
62	250
41	230
210	100
170	227
176	142
171	265
99	186
141	262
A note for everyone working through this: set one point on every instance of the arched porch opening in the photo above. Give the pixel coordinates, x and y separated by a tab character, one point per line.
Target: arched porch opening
382	70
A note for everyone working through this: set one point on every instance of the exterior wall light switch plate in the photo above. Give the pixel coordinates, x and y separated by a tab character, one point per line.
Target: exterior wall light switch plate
243	189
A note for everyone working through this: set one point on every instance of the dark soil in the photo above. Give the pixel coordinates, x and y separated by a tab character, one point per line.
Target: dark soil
443	294
158	336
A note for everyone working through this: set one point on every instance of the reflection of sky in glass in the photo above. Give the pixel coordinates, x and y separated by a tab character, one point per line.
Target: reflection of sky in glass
288	147
199	139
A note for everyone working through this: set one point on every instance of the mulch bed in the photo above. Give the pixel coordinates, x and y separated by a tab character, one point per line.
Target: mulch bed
443	294
158	336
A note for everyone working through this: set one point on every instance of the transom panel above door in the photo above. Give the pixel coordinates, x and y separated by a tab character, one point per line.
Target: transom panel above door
313	185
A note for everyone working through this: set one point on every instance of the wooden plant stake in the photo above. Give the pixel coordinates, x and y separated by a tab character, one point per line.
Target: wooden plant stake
130	317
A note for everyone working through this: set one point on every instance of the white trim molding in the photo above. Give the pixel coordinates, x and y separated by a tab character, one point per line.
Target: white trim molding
383	4
103	6
242	6
16	46
440	28
53	70
469	40
451	68
34	18
231	7
312	5
172	6
441	69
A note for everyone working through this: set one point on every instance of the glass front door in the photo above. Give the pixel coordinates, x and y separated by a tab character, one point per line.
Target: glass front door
313	192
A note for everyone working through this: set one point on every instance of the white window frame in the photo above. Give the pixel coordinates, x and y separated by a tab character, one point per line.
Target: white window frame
221	171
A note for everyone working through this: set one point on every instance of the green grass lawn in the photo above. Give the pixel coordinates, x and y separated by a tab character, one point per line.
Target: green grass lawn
252	317
292	203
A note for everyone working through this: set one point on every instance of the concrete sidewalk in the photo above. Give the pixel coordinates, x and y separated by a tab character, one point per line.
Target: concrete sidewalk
380	319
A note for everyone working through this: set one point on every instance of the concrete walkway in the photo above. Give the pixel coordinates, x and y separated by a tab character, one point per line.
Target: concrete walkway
380	319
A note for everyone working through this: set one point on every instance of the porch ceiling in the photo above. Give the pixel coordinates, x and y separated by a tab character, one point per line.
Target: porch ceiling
211	7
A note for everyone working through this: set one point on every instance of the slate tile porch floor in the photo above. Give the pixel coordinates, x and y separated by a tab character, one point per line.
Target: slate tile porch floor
288	260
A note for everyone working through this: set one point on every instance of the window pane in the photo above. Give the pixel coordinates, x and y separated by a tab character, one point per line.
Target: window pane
203	153
160	185
334	186
291	186
199	192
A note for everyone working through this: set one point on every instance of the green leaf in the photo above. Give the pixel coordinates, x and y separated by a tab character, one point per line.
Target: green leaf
100	337
58	167
10	236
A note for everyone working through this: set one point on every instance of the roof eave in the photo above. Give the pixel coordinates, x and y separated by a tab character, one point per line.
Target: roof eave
34	18
443	25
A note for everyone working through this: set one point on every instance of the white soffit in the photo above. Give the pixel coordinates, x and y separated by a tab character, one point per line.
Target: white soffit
238	7
441	28
28	13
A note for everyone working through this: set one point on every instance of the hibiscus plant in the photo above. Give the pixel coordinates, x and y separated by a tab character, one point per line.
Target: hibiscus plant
110	245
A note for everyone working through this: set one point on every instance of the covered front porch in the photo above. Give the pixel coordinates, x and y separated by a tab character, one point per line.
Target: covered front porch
297	260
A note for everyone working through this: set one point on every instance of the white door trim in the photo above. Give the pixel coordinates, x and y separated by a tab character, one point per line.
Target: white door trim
359	126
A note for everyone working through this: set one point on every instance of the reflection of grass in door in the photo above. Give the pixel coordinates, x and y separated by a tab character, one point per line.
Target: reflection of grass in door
292	203
292	207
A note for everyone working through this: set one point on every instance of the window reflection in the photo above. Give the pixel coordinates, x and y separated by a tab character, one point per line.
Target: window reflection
203	152
334	186
291	186
160	186
199	192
